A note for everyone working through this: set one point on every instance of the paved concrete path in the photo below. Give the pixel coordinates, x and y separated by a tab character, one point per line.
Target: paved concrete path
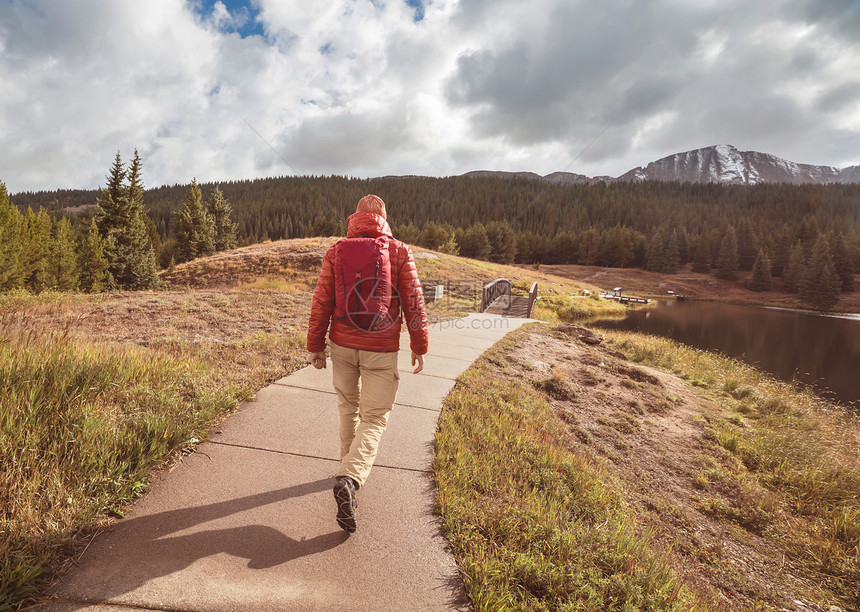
247	522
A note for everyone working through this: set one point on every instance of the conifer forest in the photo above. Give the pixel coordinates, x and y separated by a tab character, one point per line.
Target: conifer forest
803	238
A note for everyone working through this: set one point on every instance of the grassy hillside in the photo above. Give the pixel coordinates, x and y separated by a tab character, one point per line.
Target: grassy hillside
101	390
644	475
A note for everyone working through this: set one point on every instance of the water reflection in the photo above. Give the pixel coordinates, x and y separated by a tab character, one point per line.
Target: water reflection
819	350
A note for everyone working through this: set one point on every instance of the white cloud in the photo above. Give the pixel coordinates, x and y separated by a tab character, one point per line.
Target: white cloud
359	87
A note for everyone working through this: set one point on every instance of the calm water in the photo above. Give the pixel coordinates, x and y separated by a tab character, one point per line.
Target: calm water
817	349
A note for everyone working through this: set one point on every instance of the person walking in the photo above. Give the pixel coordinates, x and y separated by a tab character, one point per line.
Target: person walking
367	287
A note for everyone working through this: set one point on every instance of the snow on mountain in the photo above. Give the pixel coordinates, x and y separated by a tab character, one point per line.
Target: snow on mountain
726	164
716	164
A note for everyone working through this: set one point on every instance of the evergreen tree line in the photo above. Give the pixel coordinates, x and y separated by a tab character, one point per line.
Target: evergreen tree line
660	226
117	247
295	207
40	252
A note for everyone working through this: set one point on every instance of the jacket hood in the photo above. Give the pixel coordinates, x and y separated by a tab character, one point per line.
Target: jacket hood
367	224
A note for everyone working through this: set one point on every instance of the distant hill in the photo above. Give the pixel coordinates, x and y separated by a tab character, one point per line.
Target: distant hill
559	178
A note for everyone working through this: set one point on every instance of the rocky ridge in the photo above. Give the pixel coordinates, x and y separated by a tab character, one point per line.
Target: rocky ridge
714	164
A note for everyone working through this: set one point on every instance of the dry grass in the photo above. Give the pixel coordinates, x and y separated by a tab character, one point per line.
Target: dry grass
783	463
750	482
128	379
535	524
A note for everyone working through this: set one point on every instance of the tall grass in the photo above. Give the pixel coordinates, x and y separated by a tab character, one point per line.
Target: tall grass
565	309
80	426
534	525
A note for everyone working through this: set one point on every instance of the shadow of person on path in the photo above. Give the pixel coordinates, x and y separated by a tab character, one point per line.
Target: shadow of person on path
137	550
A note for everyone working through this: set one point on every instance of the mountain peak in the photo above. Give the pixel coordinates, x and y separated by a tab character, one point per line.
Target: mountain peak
724	163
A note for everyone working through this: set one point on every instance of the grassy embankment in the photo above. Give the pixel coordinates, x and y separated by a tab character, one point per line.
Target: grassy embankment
534	524
98	391
571	479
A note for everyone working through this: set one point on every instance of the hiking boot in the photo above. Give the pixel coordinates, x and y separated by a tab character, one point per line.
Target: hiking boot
344	495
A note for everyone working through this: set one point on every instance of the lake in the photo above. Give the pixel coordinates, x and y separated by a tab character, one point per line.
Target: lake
820	350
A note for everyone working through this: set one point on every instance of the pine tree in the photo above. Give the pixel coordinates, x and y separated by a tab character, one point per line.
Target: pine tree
684	250
819	284
842	262
450	245
588	247
437	237
639	251
525	247
671	256
134	187
113	212
93	274
702	257
747	250
63	263
11	223
794	268
144	265
473	242
121	219
36	250
407	233
727	260
617	246
503	245
563	249
656	251
195	229
782	251
761	277
220	211
323	225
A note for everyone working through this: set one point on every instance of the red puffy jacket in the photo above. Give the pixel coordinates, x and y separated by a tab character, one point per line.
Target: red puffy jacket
408	298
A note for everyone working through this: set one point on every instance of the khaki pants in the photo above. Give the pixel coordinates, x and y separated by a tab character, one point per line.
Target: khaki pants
366	385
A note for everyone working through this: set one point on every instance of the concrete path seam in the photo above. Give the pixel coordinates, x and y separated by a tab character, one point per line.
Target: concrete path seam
307	456
451	378
273	450
305	388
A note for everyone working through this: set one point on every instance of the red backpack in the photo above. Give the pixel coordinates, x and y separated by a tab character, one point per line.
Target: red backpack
362	281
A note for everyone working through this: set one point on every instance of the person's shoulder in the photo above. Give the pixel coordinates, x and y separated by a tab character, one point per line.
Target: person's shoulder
331	251
402	249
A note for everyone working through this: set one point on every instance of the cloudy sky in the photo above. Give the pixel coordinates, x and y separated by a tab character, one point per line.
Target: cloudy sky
248	88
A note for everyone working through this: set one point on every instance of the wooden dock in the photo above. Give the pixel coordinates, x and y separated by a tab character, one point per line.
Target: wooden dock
614	295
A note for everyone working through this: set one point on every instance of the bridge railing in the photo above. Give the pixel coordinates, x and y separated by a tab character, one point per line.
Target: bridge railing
533	293
493	291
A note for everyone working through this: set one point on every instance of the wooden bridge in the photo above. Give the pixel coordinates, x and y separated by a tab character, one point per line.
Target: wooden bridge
497	298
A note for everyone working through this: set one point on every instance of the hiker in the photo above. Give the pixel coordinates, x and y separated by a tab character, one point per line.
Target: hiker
365	337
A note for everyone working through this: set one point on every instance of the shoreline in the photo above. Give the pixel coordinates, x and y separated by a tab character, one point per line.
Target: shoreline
696	286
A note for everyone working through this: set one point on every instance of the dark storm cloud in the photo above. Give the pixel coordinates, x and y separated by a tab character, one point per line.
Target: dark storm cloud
840	17
723	72
591	64
340	143
840	97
